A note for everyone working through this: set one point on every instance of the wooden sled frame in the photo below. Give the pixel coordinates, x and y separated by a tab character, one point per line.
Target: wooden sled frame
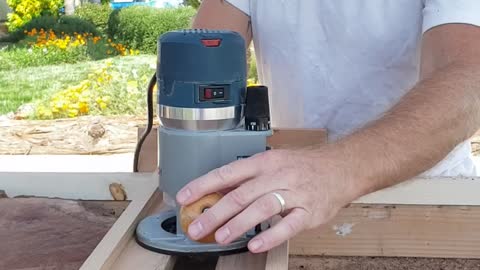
118	249
436	217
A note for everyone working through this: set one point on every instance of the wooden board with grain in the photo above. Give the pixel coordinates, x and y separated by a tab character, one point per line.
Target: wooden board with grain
296	138
396	231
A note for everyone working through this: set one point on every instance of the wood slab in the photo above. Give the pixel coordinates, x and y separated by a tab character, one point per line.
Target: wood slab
41	233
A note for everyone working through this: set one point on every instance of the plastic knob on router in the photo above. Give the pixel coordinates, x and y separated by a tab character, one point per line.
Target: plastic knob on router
192	211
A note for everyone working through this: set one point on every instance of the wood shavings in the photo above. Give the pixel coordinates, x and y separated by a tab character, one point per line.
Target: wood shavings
118	192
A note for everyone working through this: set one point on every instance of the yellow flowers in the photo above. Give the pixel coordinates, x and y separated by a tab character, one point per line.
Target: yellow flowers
23	11
112	87
46	39
103	102
79	99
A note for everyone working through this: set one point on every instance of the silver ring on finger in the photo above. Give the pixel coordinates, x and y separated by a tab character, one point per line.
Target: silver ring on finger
281	200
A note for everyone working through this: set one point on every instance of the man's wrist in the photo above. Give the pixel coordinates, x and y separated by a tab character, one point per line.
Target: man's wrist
348	166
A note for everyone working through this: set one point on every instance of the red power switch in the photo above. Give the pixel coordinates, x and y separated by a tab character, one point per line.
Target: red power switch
208	93
211	42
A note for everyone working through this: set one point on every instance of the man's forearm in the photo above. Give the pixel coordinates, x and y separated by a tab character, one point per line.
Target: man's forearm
434	117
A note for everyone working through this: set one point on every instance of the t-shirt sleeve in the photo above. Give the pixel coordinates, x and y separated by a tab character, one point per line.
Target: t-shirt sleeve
243	5
438	12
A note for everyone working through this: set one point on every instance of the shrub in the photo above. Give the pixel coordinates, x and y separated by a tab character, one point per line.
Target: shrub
68	25
73	24
46	48
193	3
24	11
95	13
139	27
42	22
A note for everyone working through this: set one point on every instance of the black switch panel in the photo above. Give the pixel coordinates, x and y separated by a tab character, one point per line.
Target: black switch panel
213	93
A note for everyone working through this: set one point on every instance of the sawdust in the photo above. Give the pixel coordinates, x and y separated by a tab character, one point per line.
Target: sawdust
369	263
80	136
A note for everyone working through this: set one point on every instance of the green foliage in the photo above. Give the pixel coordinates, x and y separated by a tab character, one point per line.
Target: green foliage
66	24
17	57
24	11
73	24
45	22
193	3
95	13
252	69
139	27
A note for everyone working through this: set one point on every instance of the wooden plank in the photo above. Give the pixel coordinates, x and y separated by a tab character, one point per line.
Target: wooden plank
296	138
428	191
76	186
108	250
148	158
242	261
135	257
277	258
396	231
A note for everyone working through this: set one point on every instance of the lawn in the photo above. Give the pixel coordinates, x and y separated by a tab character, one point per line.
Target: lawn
26	85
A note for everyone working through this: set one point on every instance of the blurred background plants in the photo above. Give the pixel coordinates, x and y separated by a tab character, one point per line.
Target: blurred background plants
96	14
24	11
96	61
40	47
140	26
108	90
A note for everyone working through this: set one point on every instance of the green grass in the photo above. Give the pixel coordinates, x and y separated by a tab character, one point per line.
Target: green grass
25	85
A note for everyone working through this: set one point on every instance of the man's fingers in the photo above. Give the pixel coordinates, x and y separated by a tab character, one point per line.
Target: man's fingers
287	228
224	177
230	205
259	211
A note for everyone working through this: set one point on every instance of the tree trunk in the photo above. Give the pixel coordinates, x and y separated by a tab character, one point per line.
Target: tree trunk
69	7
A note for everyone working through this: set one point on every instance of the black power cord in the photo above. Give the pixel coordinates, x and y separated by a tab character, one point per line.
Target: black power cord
151	86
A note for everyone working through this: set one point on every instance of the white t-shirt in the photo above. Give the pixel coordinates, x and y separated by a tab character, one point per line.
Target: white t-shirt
339	64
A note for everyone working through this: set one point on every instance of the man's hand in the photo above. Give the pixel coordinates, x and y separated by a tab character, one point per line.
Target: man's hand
312	184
